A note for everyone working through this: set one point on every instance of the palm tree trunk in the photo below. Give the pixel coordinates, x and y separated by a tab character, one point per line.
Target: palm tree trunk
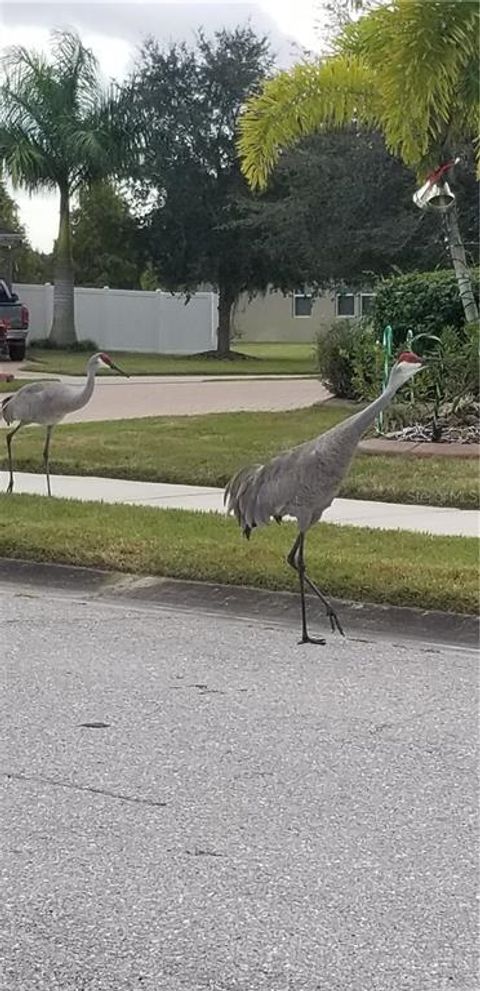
62	332
457	252
226	299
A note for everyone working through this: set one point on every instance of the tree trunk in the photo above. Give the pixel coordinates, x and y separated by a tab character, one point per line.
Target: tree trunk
459	261
62	332
226	299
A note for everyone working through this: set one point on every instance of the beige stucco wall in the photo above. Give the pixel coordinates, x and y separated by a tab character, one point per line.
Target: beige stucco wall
270	318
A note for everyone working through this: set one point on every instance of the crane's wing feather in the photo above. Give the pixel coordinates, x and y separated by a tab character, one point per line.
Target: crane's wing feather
259	492
40	402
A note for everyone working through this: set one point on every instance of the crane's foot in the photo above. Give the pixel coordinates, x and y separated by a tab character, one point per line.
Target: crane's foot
9	488
335	622
316	640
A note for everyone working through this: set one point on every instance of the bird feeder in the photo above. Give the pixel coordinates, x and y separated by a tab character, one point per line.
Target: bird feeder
435	194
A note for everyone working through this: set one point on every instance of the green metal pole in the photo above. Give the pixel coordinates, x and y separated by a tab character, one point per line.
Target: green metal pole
387	344
410	348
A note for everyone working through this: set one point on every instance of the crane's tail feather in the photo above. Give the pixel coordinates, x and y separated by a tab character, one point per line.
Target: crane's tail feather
237	497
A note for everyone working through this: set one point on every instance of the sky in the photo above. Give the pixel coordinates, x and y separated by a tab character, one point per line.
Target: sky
114	31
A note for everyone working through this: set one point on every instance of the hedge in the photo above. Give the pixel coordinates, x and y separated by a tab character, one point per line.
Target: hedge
421	302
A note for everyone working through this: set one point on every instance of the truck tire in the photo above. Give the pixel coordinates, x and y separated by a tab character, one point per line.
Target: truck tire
16	350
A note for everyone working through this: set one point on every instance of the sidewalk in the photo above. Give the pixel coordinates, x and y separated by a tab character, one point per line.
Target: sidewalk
343	512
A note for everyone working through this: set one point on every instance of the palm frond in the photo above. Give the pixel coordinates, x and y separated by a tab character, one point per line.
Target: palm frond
77	72
68	127
408	67
24	160
425	57
294	104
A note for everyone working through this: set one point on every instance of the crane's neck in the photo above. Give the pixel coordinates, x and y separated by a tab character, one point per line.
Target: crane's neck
83	395
339	443
356	425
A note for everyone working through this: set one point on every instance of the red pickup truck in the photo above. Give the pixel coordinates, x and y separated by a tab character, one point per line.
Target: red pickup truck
13	323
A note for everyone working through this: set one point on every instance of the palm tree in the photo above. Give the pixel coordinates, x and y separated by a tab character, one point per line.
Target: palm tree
59	130
408	69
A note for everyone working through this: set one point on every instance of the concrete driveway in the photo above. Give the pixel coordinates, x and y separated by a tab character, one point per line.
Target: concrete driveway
196	803
117	398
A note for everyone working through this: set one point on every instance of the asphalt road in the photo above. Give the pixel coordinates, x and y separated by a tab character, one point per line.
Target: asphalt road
199	804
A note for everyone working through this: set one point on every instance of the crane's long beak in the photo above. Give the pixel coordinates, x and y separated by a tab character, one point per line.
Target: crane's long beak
119	370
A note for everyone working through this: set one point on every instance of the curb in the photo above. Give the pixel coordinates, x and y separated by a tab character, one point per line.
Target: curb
366	620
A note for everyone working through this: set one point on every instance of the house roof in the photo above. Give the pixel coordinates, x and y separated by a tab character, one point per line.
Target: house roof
9	238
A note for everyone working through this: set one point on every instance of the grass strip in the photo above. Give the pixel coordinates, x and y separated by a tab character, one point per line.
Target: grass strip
207	450
252	359
399	568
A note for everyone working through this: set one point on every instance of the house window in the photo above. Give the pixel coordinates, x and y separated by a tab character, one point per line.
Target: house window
302	303
345	304
367	301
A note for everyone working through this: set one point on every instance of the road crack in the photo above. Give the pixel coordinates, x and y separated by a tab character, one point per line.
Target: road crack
40	779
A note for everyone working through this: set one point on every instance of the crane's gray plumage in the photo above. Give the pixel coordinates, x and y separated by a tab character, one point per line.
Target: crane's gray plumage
303	481
47	403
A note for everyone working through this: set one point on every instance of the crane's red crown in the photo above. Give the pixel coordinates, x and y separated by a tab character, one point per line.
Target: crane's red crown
411	357
106	358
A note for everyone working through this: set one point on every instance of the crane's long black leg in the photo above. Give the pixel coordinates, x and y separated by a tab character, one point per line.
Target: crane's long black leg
295	560
334	620
46	450
9	450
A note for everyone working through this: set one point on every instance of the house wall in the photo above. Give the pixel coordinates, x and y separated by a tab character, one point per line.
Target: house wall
270	318
127	320
162	323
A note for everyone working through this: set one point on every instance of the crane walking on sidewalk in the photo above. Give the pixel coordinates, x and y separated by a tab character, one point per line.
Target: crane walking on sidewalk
48	403
303	481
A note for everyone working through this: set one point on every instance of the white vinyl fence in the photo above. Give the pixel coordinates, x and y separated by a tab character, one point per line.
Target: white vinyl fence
127	320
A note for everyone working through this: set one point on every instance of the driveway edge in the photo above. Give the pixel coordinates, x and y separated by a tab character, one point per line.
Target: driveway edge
361	620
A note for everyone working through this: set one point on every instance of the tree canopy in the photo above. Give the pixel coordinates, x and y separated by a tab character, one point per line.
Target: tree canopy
339	209
190	100
106	239
27	265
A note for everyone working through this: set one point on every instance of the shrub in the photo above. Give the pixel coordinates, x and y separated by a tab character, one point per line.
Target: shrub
85	345
423	302
349	360
45	344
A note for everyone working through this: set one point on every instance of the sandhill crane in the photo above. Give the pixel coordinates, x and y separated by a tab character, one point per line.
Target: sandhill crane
303	482
48	403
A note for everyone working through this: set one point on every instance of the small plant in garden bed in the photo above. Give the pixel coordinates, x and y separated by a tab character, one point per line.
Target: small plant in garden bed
442	404
449	389
455	423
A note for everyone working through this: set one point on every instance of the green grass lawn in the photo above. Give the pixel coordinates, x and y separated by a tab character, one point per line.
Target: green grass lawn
262	359
9	387
348	562
206	450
